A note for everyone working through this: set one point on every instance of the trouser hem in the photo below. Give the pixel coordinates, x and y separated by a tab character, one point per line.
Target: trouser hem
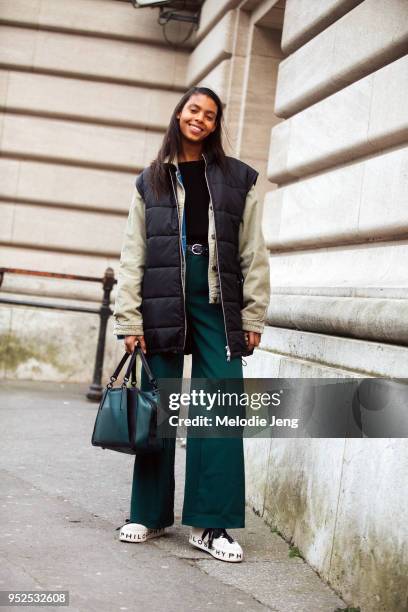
212	521
150	525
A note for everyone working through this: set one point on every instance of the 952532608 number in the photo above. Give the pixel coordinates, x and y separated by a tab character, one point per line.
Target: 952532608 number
33	598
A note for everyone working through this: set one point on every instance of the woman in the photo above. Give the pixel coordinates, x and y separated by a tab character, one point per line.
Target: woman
193	278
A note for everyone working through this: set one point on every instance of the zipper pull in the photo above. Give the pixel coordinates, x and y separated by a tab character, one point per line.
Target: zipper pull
227	349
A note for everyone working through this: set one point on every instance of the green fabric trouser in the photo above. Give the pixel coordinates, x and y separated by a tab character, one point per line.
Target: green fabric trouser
214	491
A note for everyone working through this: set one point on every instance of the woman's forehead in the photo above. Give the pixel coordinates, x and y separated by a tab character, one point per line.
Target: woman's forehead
203	101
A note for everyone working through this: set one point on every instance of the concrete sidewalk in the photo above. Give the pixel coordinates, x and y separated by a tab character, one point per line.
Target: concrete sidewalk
62	500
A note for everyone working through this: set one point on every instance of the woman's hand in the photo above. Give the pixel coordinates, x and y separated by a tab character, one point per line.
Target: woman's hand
131	341
252	339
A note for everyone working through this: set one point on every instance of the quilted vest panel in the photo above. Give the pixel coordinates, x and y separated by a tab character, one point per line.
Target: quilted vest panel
162	291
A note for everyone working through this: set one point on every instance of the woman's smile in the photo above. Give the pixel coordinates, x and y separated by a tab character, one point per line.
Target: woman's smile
195	129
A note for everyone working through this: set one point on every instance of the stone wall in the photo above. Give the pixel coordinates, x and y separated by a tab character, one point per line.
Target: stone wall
337	230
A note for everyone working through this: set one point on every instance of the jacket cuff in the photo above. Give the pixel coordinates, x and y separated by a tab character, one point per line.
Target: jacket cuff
255	326
128	330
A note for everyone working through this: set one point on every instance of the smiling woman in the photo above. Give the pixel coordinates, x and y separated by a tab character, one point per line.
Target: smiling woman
198	117
193	278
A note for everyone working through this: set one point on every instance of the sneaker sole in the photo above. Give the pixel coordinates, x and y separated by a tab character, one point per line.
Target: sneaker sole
141	536
217	554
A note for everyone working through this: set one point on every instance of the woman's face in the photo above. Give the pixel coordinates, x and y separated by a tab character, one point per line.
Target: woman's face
198	118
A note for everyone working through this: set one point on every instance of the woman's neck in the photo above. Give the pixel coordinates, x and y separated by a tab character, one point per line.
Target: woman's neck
190	152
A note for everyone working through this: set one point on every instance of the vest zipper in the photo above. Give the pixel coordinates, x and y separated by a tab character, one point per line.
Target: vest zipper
227	348
181	258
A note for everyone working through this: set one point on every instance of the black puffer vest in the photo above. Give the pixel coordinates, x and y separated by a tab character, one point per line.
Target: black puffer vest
163	307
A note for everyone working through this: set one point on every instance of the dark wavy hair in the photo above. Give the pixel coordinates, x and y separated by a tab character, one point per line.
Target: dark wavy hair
171	145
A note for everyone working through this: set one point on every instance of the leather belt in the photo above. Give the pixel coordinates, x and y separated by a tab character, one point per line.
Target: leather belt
198	249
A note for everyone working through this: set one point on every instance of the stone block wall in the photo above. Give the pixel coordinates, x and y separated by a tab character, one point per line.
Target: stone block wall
337	227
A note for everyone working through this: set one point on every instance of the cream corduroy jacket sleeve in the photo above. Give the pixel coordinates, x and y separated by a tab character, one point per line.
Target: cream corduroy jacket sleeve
254	261
127	314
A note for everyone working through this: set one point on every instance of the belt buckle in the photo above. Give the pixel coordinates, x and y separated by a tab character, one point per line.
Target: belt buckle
200	252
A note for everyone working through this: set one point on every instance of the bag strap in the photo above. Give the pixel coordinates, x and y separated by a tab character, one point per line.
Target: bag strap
130	367
116	373
133	380
149	373
132	364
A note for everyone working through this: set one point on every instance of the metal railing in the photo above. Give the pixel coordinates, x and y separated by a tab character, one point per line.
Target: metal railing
108	281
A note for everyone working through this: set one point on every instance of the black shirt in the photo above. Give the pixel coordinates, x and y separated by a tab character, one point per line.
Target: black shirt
197	200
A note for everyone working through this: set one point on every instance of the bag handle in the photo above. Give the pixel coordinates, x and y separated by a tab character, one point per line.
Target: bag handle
116	373
132	363
133	380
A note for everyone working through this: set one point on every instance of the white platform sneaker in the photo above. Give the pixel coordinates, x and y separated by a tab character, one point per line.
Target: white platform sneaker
218	543
136	533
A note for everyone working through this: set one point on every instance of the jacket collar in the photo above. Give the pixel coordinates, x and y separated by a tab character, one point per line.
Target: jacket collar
206	156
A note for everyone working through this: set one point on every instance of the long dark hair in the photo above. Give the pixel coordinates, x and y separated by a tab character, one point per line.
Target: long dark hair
171	145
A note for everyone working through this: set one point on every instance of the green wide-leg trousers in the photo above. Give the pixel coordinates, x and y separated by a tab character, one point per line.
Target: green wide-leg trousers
214	492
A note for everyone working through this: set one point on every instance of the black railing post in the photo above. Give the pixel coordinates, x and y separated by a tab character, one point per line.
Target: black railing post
95	390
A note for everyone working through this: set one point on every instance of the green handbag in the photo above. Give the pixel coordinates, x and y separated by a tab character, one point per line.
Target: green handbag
127	416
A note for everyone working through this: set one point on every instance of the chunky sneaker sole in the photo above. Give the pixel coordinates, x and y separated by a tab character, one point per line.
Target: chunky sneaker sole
231	555
136	533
